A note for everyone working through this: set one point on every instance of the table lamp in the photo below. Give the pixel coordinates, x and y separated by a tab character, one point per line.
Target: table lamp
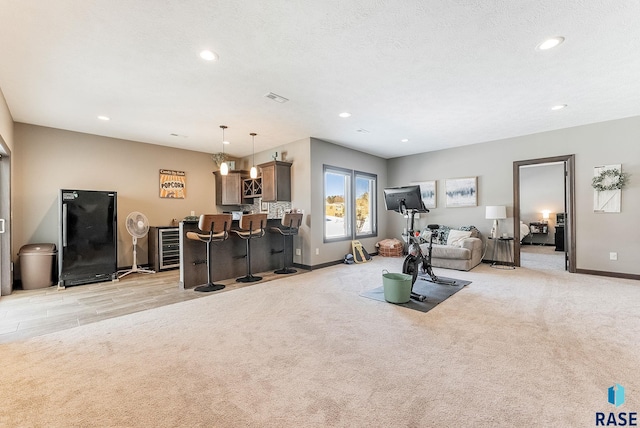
545	215
495	213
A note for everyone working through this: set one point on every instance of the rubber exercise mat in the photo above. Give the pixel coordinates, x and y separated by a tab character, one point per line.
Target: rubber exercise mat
436	293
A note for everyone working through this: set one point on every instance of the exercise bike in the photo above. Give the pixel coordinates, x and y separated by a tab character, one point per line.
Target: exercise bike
408	201
417	263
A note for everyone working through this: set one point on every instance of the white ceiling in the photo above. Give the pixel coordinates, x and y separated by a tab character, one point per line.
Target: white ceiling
440	73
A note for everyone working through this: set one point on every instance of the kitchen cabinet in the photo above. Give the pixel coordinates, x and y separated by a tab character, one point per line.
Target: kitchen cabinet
276	181
252	187
164	248
229	187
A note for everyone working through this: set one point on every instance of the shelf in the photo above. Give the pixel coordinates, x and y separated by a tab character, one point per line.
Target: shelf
252	187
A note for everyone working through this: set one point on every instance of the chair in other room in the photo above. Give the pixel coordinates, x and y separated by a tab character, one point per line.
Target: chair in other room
251	227
213	228
289	226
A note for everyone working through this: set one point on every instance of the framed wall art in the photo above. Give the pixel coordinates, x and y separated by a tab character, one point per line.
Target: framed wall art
428	193
173	184
608	181
461	192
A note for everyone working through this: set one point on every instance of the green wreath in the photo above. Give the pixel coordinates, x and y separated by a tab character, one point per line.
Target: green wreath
609	179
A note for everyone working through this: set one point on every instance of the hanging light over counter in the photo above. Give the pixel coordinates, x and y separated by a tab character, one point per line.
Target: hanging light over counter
224	166
254	171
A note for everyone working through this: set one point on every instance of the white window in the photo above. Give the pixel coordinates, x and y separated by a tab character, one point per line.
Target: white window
349	204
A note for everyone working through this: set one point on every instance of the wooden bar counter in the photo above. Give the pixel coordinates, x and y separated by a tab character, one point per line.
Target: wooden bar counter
227	257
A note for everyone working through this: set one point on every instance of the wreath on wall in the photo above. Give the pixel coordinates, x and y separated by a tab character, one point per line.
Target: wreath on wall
609	179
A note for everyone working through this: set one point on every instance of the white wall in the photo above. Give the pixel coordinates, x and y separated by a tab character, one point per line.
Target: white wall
613	142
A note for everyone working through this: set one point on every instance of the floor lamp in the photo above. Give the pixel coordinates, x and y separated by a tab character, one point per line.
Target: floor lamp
495	213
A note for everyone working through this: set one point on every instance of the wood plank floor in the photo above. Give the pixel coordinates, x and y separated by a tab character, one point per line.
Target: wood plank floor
29	313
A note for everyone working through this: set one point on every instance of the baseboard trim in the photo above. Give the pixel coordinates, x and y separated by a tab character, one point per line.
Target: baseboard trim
324	265
320	266
609	274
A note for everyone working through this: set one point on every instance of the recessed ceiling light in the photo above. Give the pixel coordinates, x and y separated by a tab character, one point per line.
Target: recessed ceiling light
345	114
550	43
104	118
405	140
558	107
226	142
209	55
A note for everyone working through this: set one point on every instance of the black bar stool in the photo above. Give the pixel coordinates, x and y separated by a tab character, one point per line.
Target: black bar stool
289	226
251	226
214	228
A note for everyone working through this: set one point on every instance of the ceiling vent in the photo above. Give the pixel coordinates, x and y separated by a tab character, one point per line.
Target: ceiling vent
276	97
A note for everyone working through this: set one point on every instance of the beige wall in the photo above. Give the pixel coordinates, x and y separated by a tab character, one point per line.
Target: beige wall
46	160
6	122
131	169
597	234
324	153
298	153
6	174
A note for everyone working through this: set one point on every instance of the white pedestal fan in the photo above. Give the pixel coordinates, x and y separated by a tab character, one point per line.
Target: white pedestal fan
138	227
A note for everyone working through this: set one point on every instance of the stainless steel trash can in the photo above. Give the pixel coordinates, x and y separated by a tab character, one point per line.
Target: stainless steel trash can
36	265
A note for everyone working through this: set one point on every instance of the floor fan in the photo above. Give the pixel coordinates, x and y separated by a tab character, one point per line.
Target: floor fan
138	226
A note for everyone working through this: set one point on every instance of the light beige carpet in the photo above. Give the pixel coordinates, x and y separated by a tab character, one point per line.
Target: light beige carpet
516	348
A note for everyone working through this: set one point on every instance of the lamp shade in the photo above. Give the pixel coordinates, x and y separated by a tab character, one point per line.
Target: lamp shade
545	214
224	168
494	212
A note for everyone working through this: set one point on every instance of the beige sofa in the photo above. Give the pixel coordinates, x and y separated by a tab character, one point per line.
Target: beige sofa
455	249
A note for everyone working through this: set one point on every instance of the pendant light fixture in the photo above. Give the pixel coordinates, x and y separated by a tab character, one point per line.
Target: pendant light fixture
224	166
254	171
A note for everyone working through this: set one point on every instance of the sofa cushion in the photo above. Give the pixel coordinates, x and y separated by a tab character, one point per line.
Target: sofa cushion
439	251
456	237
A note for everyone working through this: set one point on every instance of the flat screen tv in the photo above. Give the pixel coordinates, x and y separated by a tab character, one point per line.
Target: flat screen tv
404	198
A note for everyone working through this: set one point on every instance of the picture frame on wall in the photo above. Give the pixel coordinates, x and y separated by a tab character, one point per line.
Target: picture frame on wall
173	184
428	192
461	192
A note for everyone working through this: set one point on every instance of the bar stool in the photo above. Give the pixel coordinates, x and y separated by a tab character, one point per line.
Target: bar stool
214	228
289	226
251	227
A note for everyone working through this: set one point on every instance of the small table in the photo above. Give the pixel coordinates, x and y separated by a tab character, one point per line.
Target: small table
505	246
538	228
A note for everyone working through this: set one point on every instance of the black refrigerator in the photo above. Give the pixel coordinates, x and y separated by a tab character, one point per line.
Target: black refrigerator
87	242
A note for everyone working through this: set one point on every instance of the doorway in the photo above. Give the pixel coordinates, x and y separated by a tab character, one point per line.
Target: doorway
6	274
568	241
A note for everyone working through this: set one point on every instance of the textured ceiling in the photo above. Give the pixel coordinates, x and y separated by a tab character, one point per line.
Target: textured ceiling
440	73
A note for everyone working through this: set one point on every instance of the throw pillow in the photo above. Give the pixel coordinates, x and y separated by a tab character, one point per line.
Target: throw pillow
472	229
456	237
